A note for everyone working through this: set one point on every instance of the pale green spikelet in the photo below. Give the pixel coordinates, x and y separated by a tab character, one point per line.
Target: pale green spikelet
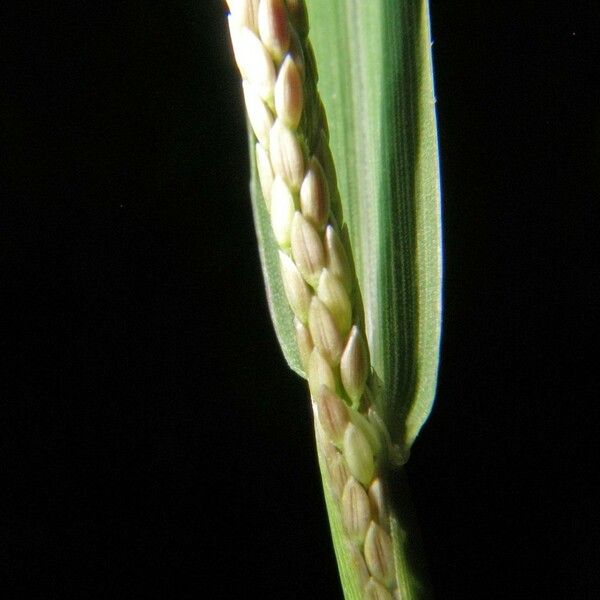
314	195
307	249
375	591
354	367
319	373
286	155
356	510
289	97
304	342
359	454
282	212
259	115
265	172
296	289
273	27
379	554
337	258
333	295
333	414
325	334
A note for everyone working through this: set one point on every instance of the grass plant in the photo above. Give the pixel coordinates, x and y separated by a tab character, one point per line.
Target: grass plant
346	200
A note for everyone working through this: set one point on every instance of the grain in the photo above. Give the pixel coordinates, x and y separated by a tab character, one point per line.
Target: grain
325	334
296	290
282	212
314	195
333	295
356	512
379	555
358	454
307	249
319	373
354	367
333	414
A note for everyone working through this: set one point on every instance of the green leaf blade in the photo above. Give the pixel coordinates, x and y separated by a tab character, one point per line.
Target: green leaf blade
376	82
281	313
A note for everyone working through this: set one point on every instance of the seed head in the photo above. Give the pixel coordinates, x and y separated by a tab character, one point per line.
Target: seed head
275	58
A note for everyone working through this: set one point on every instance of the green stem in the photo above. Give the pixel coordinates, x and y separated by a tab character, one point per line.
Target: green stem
408	544
409	559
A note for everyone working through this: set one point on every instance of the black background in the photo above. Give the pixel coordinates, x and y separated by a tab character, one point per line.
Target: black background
159	441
